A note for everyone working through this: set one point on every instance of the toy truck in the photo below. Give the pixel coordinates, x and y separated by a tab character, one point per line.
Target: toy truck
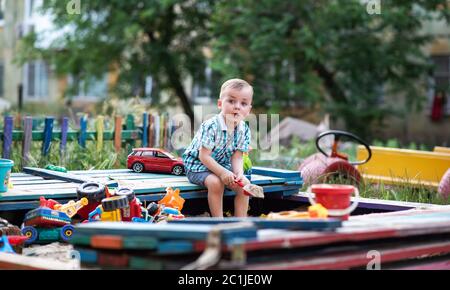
48	224
110	209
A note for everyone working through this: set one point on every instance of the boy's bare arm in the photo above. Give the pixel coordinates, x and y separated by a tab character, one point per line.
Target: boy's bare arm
237	163
205	157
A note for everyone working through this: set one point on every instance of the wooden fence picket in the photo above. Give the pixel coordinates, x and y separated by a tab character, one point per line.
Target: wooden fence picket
7	136
27	138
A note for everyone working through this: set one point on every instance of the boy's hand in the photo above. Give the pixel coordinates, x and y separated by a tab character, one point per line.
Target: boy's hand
240	177
227	178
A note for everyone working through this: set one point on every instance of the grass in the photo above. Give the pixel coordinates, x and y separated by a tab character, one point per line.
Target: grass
291	157
74	157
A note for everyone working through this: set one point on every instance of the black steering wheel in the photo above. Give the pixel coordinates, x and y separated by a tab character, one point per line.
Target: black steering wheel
337	135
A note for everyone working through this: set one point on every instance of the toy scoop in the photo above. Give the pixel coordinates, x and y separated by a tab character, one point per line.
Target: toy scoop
252	190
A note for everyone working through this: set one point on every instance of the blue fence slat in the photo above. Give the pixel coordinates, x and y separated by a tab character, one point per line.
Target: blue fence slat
144	130
7	136
64	129
48	131
83	128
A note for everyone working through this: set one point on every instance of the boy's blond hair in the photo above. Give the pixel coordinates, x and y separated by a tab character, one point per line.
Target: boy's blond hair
236	84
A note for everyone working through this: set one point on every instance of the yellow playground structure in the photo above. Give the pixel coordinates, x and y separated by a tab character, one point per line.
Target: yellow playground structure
404	166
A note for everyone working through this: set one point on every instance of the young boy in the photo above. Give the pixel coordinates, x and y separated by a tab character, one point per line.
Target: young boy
214	158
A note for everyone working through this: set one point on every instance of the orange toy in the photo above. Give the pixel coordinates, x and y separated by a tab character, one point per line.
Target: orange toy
172	199
314	211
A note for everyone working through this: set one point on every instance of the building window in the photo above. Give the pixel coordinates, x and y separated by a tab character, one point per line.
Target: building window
204	87
94	89
36	80
440	83
2	12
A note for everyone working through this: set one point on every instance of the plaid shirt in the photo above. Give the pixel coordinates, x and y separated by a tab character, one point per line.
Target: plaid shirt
213	135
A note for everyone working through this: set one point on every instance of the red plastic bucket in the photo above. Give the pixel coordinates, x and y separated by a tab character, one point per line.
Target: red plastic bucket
335	198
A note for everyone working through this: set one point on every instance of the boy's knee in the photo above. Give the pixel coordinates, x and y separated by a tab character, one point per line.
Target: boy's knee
214	182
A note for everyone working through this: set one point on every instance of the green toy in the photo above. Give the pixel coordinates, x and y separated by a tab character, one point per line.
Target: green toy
247	164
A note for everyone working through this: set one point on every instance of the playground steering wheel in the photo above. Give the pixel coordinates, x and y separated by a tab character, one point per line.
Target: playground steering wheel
334	153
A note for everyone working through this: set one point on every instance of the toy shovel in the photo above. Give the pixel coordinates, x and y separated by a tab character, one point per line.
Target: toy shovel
252	190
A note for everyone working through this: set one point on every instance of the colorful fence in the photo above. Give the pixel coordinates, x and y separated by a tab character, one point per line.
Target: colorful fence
155	131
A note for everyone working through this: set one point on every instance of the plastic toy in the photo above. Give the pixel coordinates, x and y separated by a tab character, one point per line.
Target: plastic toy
110	209
5	247
55	168
51	221
47	225
94	192
154	160
172	199
72	207
314	211
133	210
252	190
320	165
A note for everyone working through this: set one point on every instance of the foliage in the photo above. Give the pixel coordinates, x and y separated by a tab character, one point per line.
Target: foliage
331	53
161	39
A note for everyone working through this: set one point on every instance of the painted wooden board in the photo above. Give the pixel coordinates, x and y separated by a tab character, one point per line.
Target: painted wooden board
161	231
353	259
275	172
358	229
262	223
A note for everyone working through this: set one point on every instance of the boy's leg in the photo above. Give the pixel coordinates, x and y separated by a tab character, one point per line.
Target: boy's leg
215	195
241	200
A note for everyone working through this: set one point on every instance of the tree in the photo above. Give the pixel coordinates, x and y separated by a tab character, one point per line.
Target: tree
163	39
329	52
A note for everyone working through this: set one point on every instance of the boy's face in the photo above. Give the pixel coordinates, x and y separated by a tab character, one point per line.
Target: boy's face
236	104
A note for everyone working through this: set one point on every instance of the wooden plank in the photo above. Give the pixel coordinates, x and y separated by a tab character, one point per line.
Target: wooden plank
48	129
162	231
151	129
130	126
82	134
155	192
107	242
275	172
7	136
156	130
144	129
117	134
354	258
87	256
145	264
175	247
262	223
26	144
64	130
424	265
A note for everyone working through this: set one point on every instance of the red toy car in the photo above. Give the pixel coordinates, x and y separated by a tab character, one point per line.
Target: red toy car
155	160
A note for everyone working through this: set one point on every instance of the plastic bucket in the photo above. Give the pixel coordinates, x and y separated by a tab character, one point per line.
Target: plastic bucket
335	198
5	173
